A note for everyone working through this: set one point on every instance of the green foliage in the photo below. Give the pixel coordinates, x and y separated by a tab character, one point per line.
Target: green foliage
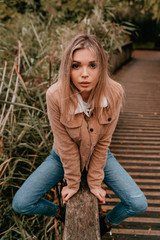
26	140
153	6
113	35
74	9
145	14
12	9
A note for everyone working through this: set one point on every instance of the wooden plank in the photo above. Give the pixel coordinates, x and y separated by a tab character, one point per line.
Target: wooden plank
155	187
137	133
149	209
141	167
139	161
136	141
147	193
141	117
141	120
141	124
137	138
150	201
138	147
82	215
143	180
136	232
151	113
149	174
135	151
142	220
138	155
144	119
129	129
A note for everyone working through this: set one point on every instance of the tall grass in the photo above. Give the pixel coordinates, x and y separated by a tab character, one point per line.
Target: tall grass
31	49
26	140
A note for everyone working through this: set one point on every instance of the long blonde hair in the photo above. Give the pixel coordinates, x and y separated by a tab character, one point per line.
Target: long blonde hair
106	87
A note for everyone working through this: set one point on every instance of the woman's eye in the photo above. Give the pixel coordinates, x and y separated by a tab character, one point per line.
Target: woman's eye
93	65
75	65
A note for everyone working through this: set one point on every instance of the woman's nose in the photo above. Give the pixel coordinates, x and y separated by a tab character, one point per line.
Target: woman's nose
84	72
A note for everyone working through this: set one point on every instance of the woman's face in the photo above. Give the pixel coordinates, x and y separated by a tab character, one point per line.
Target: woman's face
84	71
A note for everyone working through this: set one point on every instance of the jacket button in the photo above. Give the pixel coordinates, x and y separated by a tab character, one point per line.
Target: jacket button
91	129
91	114
109	119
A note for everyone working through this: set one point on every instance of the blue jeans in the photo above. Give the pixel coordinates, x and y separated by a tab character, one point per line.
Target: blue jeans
28	199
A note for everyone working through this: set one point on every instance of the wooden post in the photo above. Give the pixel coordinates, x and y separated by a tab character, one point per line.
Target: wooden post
82	215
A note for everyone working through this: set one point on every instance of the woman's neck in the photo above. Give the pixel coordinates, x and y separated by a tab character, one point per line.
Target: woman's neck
85	96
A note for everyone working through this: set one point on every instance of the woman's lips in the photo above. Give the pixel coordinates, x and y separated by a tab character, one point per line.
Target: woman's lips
84	84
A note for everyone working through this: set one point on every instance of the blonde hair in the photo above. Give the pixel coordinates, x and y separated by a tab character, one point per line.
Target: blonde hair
106	87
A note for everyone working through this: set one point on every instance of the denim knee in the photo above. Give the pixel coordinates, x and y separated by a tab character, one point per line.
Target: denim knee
19	205
138	204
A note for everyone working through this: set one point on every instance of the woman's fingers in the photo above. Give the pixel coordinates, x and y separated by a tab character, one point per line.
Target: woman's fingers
103	194
101	197
64	197
67	194
64	194
99	193
67	197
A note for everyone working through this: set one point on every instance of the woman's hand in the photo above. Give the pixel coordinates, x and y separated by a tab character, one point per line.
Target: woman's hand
67	193
99	193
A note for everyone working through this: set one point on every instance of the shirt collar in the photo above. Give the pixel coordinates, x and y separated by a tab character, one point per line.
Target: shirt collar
84	107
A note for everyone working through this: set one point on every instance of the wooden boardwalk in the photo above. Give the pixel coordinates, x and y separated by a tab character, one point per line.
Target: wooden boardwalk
136	143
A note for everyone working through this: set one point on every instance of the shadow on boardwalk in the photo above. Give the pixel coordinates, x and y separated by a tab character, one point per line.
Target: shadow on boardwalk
136	142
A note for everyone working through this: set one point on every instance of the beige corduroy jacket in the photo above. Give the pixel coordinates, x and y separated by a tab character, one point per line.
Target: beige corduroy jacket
81	142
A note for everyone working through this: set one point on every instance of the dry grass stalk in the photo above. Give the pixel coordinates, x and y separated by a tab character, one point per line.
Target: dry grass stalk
36	34
3	77
5	166
20	77
17	63
8	90
25	57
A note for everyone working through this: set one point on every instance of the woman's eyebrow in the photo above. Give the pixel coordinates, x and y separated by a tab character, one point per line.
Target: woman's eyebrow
93	61
76	61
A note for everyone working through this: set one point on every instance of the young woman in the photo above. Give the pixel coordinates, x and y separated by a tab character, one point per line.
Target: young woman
83	109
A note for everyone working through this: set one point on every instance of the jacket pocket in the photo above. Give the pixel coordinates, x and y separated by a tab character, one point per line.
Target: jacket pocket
73	127
105	122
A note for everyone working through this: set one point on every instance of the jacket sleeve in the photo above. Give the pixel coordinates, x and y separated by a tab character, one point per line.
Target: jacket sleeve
99	156
65	147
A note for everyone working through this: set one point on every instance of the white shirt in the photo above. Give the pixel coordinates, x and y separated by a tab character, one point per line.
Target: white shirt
85	107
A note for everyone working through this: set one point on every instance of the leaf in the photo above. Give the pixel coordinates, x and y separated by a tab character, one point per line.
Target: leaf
35	238
104	210
1	146
120	225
